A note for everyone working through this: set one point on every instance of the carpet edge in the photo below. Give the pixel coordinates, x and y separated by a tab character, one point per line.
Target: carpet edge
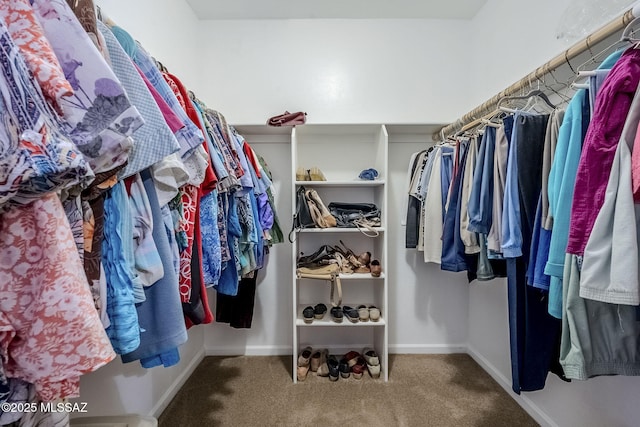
525	403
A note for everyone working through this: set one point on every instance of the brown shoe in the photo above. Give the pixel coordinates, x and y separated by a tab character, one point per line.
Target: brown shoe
376	268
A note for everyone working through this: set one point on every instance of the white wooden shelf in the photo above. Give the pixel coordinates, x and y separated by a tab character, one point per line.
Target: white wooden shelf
360	147
327	320
338	230
354	276
342	183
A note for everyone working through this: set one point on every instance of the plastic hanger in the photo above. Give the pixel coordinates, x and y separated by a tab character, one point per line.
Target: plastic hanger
534	93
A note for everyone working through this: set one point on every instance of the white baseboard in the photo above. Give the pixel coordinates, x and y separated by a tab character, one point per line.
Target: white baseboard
249	350
427	348
173	389
527	404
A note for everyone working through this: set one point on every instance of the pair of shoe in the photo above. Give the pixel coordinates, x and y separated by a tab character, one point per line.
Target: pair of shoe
339	313
337	368
368	313
309	313
373	362
313	174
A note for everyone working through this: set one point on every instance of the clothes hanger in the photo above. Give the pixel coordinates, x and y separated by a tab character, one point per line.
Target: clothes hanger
534	93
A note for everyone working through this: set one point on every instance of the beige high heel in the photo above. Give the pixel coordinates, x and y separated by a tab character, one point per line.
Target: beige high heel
302	175
316	174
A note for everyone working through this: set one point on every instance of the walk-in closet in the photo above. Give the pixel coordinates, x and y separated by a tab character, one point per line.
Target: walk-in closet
280	213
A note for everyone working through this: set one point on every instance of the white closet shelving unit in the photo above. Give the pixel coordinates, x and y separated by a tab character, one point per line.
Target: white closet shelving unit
342	152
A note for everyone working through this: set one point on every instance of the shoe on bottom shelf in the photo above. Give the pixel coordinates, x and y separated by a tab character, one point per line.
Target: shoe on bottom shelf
323	367
359	368
373	362
345	370
334	368
304	360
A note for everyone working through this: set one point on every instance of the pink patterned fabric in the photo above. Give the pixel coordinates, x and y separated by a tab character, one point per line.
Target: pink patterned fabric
50	332
27	33
189	202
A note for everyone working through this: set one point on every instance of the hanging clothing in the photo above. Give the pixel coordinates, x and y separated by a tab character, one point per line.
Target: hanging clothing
154	141
611	254
612	108
453	251
534	334
100	116
21	21
469	238
503	135
562	180
41	156
160	317
50	333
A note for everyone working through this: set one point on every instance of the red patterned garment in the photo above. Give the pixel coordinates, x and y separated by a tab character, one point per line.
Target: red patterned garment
50	332
190	201
27	33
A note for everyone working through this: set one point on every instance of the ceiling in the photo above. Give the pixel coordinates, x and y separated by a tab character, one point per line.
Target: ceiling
335	9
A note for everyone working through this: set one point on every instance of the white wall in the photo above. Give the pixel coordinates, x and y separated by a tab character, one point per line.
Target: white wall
127	388
338	71
605	401
271	331
166	28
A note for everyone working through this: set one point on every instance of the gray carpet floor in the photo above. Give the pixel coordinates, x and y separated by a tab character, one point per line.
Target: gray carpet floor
423	390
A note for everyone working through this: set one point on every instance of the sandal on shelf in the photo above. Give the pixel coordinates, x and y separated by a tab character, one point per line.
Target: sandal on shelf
302	175
316	174
376	268
308	314
374	313
319	311
363	313
365	258
351	313
336	314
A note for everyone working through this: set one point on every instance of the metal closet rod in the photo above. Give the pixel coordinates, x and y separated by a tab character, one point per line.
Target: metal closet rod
474	117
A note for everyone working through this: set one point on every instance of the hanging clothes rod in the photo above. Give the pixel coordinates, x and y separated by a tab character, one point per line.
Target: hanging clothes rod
474	117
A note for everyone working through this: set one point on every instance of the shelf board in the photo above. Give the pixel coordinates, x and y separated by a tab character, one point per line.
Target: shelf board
336	230
345	323
356	276
326	321
343	183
